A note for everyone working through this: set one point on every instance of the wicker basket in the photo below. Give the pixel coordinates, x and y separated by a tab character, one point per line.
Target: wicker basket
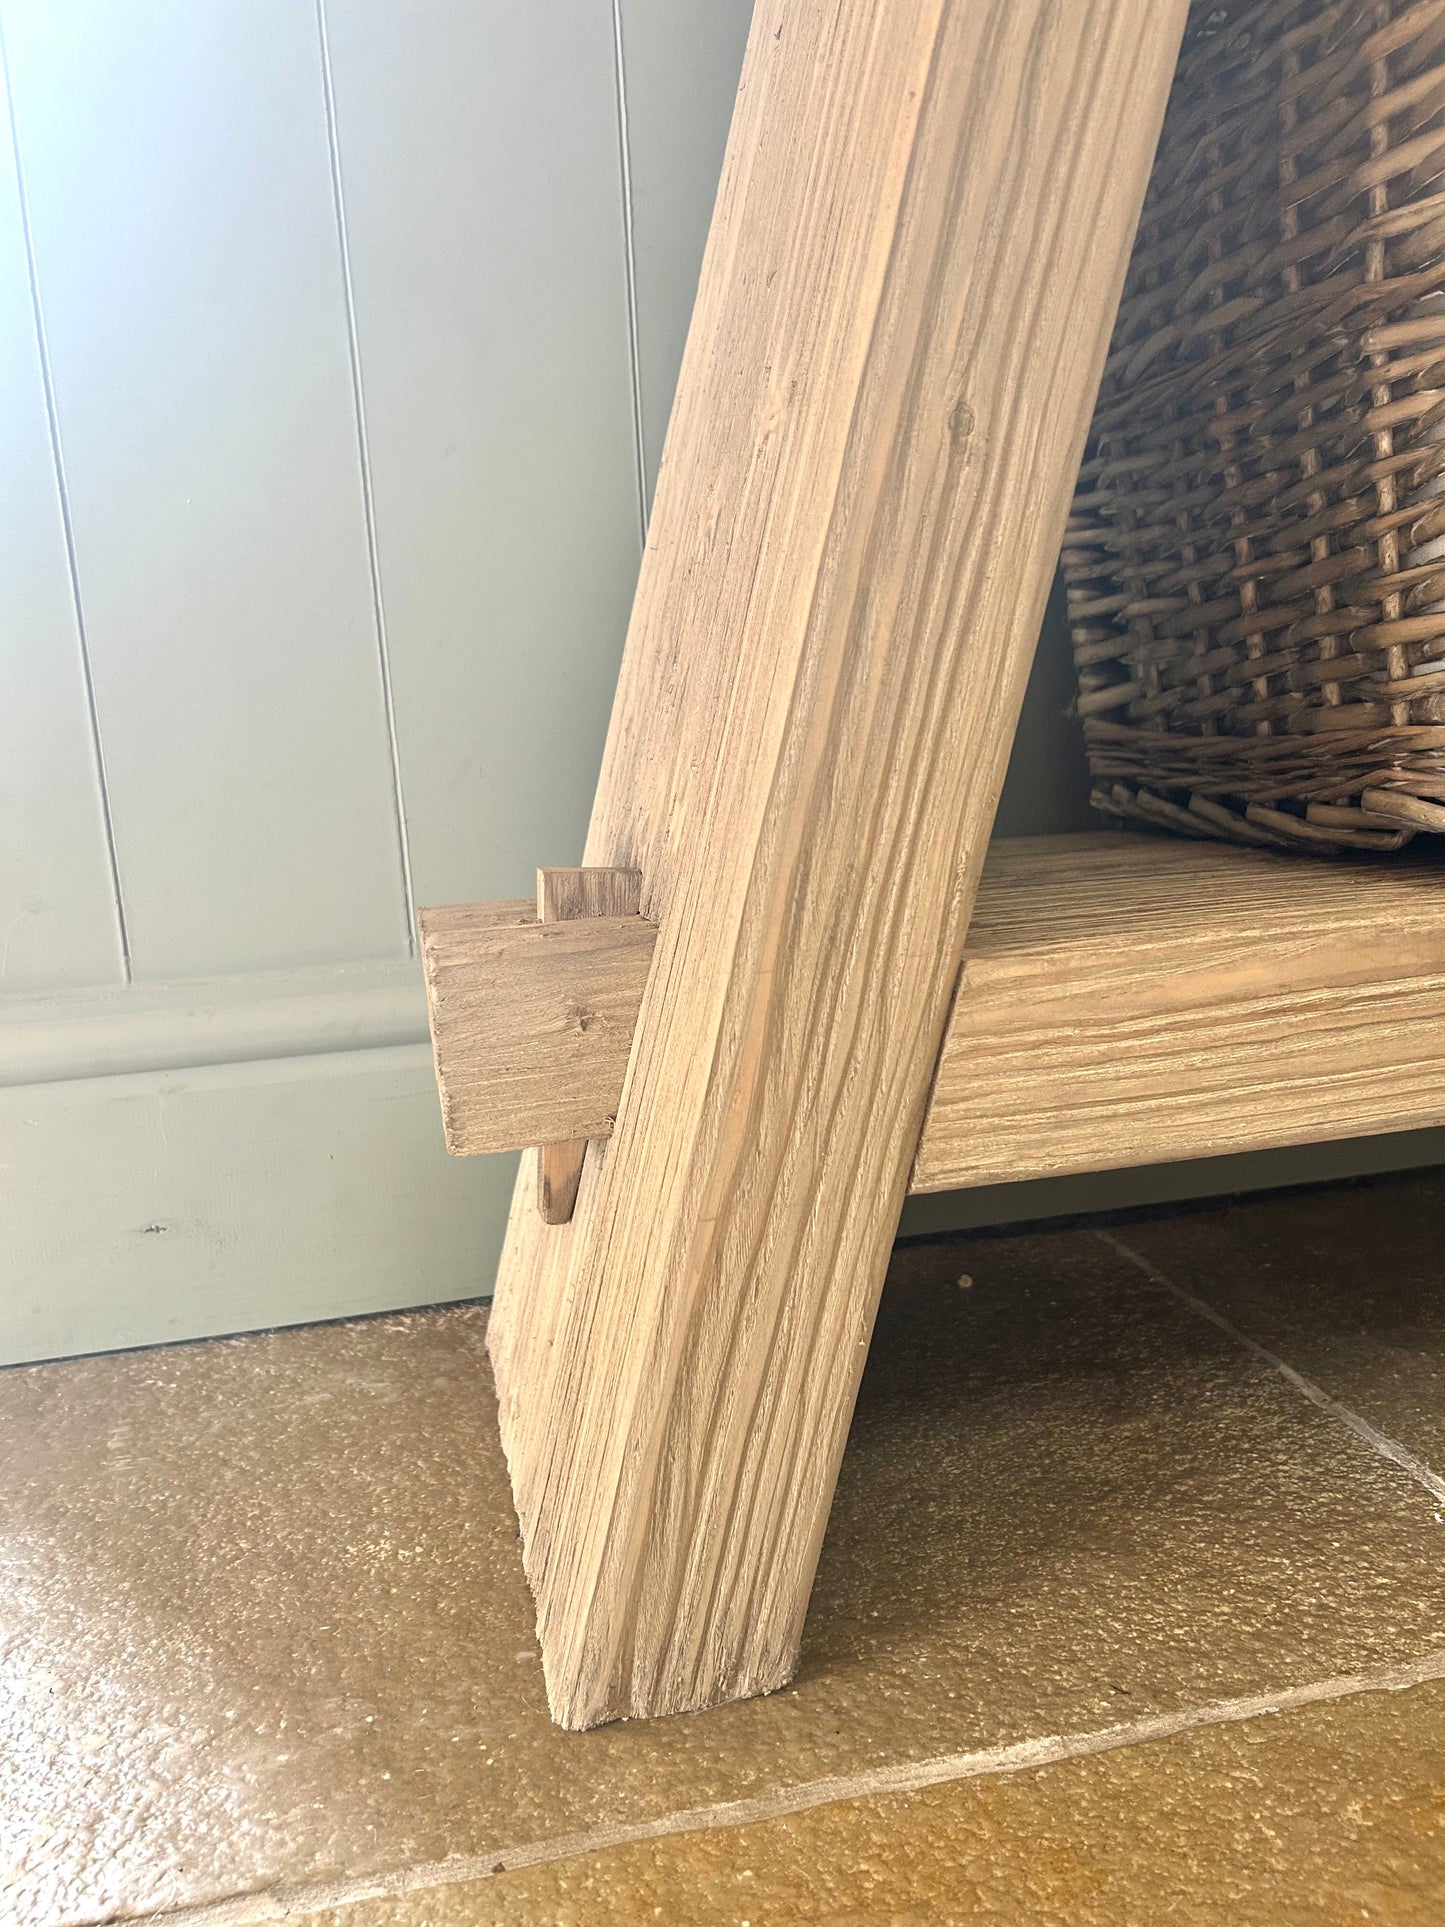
1256	556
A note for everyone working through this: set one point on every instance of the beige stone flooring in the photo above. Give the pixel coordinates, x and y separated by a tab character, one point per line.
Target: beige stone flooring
1130	1612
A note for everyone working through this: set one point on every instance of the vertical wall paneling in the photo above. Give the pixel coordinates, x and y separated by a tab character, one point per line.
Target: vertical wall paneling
482	185
364	455
186	251
59	920
680	63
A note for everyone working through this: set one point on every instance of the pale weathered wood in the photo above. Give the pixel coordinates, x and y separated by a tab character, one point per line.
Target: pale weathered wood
562	894
505	1017
531	1022
913	268
1126	1000
448	922
1129	1000
588	891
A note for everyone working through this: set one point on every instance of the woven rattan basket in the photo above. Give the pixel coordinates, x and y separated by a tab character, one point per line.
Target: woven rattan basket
1256	556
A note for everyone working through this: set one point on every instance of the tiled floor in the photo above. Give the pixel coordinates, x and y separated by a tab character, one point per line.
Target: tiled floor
265	1648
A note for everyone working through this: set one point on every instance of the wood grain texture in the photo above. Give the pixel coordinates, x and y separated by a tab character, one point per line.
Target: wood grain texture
531	1023
912	271
680	63
581	893
1126	1000
587	892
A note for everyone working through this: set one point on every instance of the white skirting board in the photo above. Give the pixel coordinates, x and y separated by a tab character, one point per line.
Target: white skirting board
188	1199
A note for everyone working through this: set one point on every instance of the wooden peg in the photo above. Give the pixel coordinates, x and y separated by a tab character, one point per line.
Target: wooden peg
562	895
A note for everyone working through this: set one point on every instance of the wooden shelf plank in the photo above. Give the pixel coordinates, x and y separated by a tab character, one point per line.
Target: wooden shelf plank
1123	1000
1126	1000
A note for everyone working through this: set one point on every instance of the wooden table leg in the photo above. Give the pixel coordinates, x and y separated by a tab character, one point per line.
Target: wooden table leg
918	247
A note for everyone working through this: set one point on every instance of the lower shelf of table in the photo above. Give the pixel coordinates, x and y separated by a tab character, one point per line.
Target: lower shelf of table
1129	1000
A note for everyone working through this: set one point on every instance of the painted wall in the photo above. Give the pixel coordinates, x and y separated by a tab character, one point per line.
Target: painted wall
338	339
336	367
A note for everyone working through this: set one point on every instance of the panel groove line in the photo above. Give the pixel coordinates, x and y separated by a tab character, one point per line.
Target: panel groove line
482	185
368	501
62	492
629	248
183	221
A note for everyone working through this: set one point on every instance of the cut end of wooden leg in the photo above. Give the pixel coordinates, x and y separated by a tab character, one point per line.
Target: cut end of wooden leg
577	1703
531	1024
559	1172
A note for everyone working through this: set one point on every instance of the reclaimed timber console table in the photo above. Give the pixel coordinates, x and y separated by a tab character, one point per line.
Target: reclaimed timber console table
767	1006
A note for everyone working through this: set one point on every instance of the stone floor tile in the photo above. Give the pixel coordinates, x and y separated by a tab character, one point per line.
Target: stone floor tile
1346	1282
262	1617
1317	1818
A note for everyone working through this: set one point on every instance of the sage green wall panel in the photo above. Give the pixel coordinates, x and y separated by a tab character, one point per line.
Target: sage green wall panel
178	1204
59	923
481	176
179	181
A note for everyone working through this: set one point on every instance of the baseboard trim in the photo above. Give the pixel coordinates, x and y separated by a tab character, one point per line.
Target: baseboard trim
154	1206
203	1021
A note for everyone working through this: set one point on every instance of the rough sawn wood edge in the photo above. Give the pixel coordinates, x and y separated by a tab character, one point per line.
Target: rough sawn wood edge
921	231
1127	999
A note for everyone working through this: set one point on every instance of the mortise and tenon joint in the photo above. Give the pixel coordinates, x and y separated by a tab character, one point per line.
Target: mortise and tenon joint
532	1011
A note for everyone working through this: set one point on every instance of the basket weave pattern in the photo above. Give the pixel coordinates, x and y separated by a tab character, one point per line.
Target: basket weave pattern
1256	556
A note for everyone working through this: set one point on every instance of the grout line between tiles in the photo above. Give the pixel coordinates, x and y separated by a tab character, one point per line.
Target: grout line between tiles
1387	1448
282	1903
